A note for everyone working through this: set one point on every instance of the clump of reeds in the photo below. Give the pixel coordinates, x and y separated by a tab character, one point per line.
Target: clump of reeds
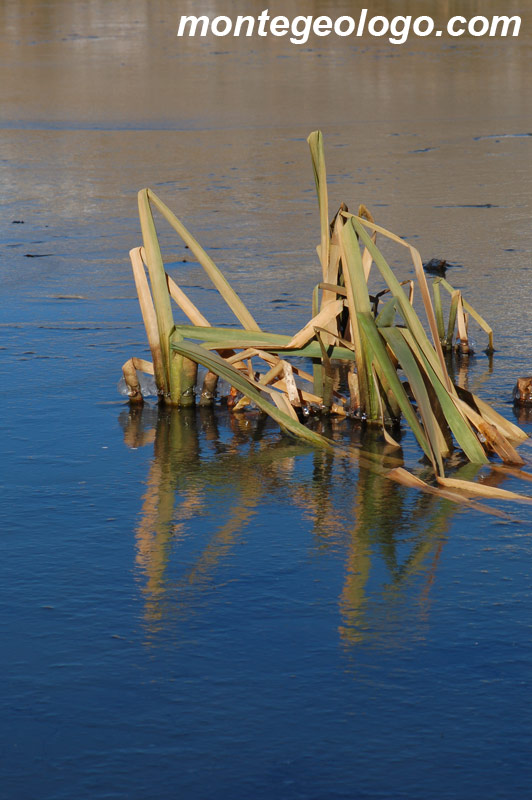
395	369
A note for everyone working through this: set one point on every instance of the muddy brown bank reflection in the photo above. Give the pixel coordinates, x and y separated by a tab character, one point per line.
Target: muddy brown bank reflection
208	459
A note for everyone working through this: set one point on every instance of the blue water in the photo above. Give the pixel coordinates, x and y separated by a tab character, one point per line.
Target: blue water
217	616
192	605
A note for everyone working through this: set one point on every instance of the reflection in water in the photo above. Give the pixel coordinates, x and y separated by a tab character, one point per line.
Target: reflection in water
408	549
213	472
195	470
523	414
459	367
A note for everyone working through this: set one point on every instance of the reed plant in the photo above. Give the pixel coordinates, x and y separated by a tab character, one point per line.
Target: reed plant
397	361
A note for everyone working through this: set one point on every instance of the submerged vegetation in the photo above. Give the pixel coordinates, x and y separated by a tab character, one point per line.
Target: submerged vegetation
393	369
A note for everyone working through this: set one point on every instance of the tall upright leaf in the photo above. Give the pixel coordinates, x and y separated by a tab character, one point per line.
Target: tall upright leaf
358	302
227	292
315	142
161	296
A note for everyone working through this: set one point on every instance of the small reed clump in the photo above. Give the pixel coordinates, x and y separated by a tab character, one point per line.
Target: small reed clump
393	368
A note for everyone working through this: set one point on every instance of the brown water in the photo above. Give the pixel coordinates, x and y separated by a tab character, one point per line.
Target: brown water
193	606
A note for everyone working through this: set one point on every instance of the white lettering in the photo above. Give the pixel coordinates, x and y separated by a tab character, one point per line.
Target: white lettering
374	23
451	26
322	26
418	30
399	35
240	21
350	26
505	25
263	19
473	28
300	28
303	33
194	22
215	25
279	26
362	21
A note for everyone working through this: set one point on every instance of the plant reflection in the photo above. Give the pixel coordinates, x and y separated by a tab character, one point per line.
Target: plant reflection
193	470
208	462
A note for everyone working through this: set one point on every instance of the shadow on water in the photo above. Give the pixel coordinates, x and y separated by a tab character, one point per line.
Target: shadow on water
214	473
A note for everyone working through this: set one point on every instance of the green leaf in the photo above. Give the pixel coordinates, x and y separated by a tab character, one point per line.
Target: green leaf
358	301
315	142
476	316
438	308
460	427
411	369
220	282
161	296
387	316
410	317
234	338
214	363
376	344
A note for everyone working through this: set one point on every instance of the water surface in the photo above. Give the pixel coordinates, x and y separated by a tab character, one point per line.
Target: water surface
192	605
